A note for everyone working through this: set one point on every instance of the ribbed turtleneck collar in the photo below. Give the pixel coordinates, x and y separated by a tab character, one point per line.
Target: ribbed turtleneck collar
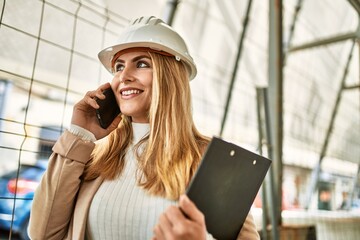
140	130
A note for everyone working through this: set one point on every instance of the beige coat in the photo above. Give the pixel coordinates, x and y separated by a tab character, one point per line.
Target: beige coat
62	200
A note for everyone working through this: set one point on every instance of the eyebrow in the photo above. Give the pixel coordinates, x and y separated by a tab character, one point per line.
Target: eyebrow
134	59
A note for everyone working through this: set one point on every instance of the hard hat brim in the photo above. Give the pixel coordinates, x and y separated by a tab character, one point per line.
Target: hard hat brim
106	55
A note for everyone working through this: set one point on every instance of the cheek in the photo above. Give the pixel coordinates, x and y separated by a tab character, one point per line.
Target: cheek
149	84
148	98
115	83
149	94
147	77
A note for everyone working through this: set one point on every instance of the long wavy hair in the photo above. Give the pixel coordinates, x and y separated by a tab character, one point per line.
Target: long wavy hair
170	154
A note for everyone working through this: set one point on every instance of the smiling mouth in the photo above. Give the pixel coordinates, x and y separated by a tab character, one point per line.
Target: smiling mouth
131	92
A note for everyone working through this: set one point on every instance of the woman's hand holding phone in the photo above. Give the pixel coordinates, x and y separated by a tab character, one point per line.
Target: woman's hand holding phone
85	116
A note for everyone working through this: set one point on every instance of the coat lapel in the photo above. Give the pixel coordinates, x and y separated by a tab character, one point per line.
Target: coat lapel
84	198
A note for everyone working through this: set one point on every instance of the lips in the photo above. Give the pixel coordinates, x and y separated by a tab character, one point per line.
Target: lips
130	91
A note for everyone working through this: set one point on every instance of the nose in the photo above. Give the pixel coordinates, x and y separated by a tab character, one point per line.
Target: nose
125	75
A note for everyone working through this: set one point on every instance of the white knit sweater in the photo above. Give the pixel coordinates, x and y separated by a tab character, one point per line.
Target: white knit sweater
120	208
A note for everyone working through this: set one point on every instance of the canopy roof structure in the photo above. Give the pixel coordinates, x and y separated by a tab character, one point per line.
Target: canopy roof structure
282	79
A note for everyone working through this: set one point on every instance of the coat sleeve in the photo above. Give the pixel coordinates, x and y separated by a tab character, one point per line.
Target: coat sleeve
55	197
248	230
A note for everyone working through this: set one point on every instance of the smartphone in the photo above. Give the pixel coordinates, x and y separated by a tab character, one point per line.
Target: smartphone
108	109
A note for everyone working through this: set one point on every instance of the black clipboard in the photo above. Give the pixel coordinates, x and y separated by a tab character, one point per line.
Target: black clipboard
225	186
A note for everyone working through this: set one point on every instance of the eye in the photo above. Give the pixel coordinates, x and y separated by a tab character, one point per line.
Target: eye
142	64
118	67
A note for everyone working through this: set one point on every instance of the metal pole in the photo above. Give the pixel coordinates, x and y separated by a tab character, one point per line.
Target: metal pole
170	10
351	87
352	195
235	69
356	177
2	12
321	42
275	98
259	107
316	172
273	197
355	4
268	190
265	210
292	27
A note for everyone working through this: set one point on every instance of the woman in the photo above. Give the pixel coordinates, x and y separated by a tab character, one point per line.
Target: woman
131	184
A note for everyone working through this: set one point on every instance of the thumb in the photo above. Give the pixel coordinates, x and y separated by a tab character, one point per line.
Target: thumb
190	210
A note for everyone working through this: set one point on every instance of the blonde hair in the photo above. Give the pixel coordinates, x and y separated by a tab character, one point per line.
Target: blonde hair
172	150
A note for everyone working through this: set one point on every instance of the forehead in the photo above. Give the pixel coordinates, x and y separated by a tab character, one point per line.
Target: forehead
131	55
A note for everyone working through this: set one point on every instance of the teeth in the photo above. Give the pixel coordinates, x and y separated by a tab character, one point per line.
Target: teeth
129	92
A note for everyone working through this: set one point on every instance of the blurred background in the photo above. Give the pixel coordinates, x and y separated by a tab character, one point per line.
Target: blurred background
280	78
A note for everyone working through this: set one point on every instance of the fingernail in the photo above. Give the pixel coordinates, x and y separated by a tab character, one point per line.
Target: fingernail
183	198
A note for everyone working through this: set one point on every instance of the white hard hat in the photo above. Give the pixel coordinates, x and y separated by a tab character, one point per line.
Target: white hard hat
153	33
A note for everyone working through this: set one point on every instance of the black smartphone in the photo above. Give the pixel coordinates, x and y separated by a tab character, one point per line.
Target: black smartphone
108	109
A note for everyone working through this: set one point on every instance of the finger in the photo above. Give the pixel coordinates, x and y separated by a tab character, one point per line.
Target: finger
98	93
90	99
158	233
190	209
178	226
90	94
104	86
175	216
165	226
